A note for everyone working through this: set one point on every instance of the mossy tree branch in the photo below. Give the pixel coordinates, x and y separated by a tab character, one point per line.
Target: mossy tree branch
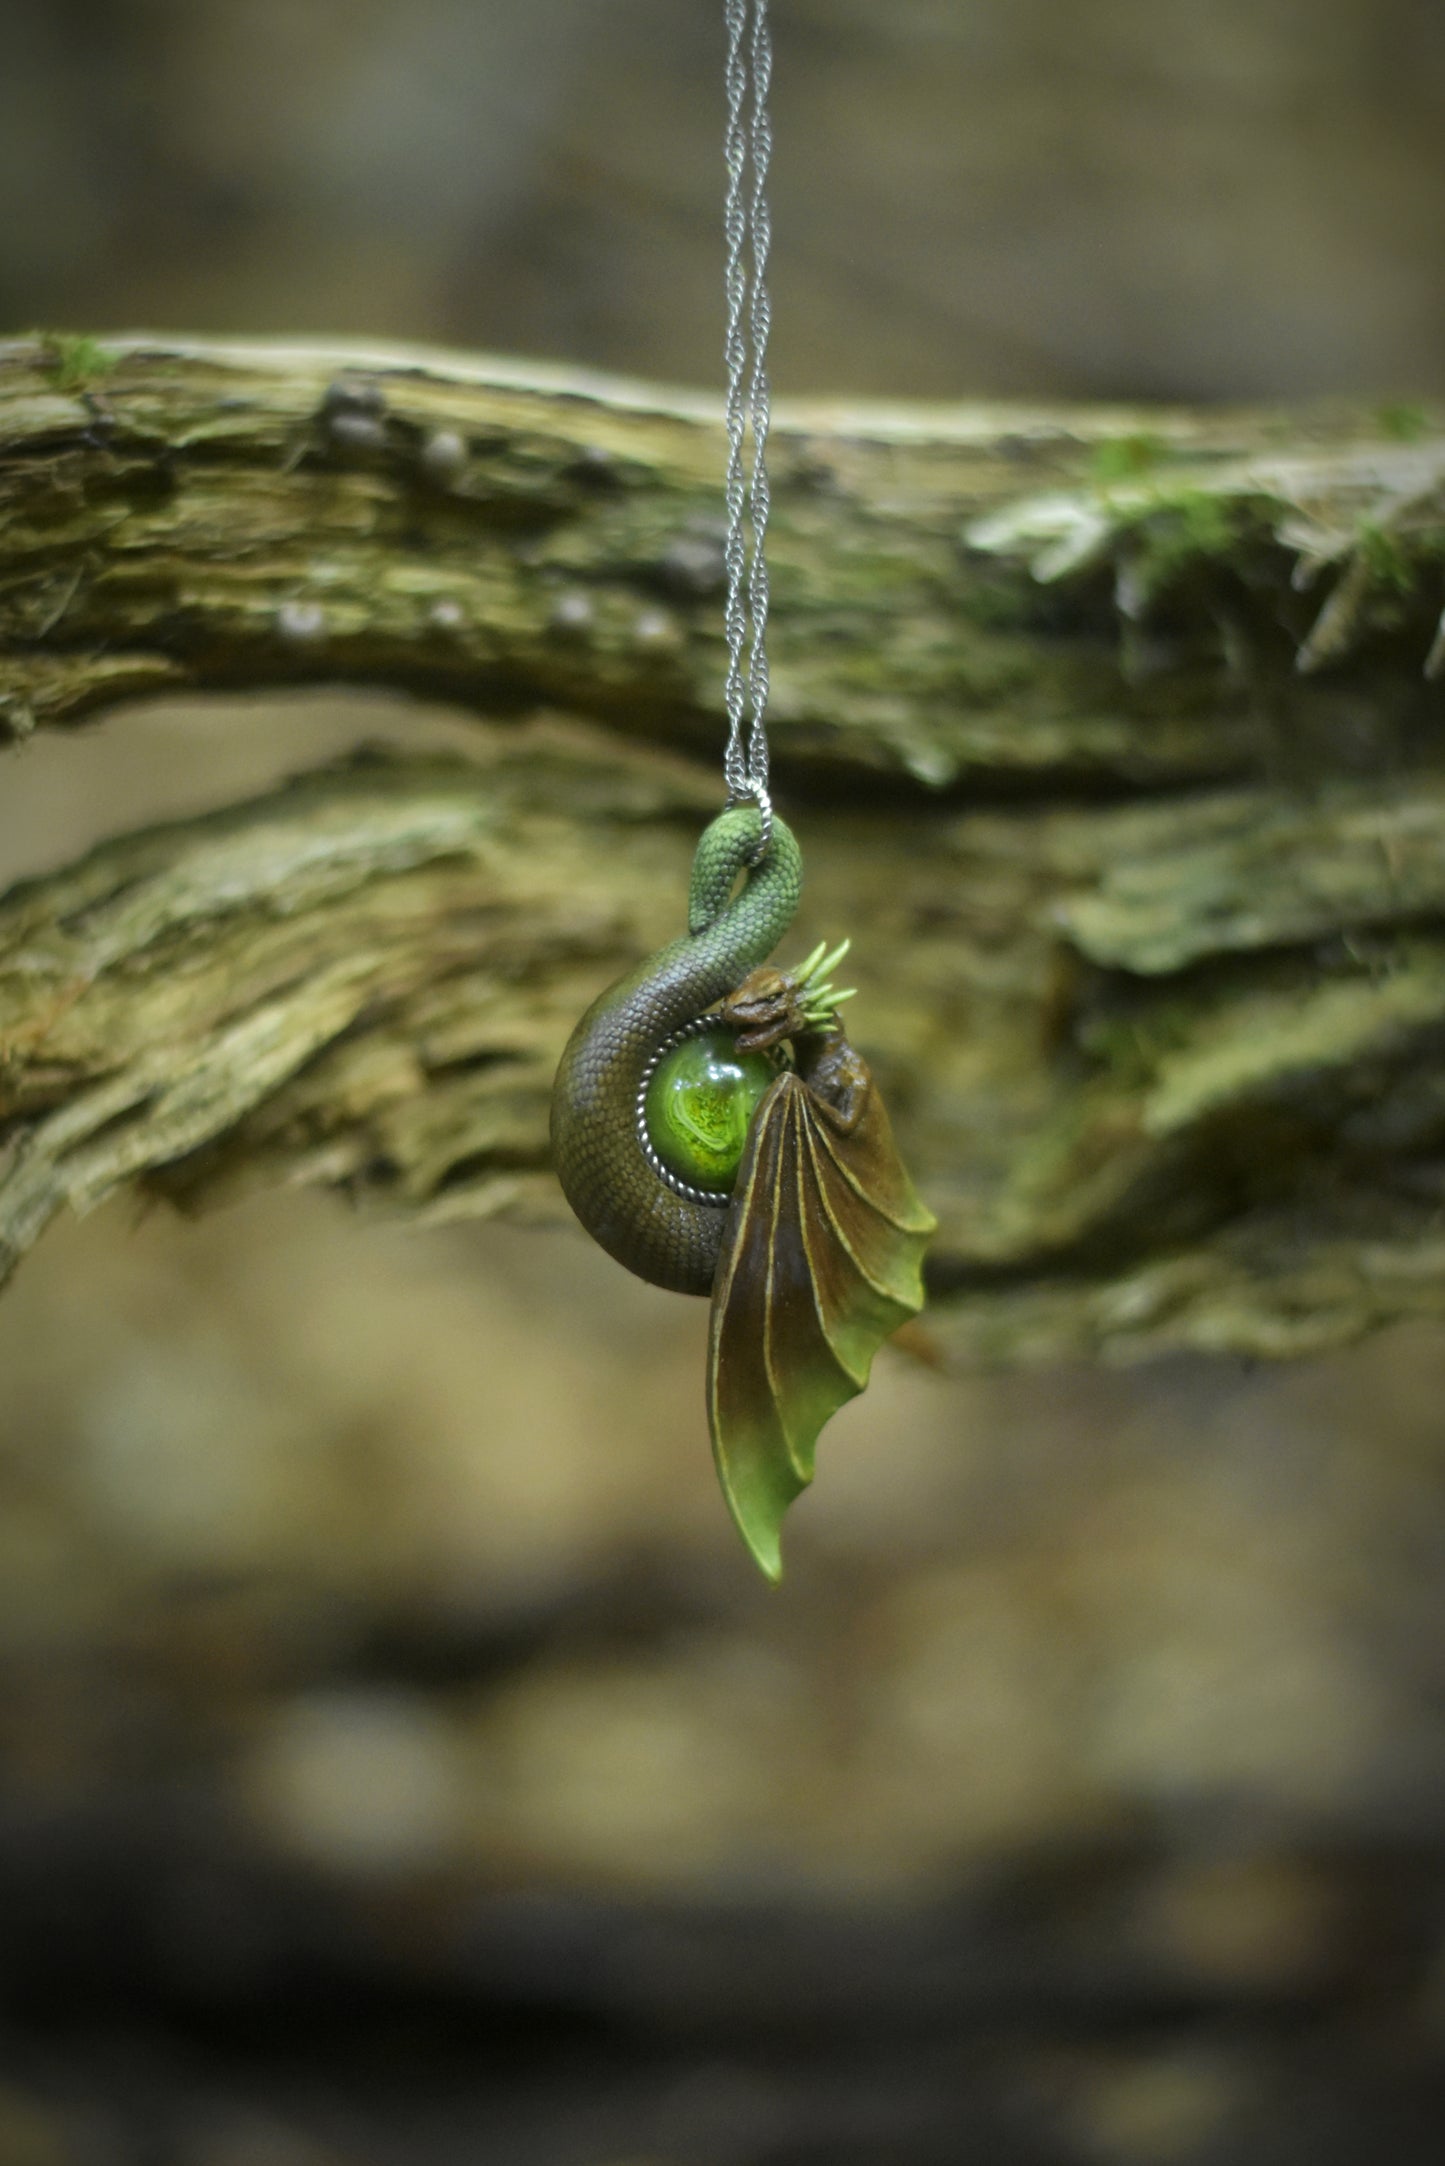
1165	1063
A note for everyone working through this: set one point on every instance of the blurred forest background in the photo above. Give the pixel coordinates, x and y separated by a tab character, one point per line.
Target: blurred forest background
399	1761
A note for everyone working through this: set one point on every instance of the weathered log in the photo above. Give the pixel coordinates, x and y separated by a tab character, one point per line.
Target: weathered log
1112	740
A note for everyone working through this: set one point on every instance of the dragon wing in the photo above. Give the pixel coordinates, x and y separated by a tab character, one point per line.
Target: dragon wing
821	1262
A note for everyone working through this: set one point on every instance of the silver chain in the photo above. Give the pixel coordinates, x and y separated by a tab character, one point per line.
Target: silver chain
748	147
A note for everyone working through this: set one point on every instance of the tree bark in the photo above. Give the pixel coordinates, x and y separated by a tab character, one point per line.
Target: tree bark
1112	738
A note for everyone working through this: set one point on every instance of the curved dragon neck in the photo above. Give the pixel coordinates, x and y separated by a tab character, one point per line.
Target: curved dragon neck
728	937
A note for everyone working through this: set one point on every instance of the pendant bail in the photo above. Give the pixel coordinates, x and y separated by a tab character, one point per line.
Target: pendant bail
756	793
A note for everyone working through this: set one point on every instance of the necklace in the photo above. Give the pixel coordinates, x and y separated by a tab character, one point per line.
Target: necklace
712	1127
747	230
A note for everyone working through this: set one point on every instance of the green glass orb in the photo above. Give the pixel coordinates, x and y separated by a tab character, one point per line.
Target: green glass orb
700	1104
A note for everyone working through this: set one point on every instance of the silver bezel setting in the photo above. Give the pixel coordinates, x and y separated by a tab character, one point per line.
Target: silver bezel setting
719	1198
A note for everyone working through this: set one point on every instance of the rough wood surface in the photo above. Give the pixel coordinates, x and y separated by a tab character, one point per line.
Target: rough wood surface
1113	741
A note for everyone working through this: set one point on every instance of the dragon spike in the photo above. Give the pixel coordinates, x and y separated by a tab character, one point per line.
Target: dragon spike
820	964
808	969
821	1000
812	982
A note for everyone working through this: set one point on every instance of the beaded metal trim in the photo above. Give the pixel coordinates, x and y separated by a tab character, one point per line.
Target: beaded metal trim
720	1198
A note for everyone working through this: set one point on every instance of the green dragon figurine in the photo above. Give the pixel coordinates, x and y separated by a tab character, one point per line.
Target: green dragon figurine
715	1132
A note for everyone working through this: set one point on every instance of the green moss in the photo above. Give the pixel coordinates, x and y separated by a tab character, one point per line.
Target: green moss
1198	523
1178	531
75	361
996	605
1130	1048
1402	422
1125	458
1120	1048
1386	558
